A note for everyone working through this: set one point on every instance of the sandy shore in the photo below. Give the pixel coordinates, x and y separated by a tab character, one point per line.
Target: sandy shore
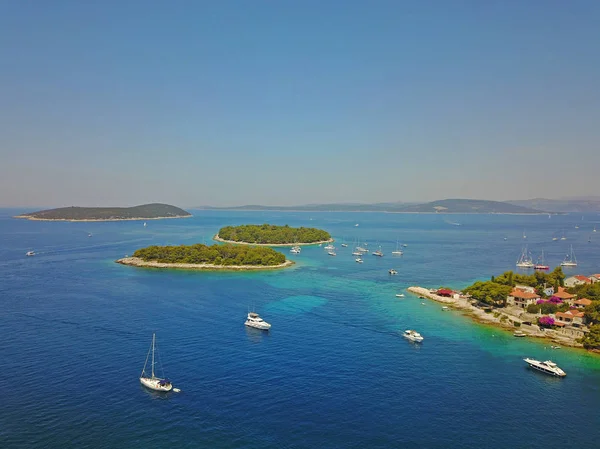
512	315
27	217
219	239
137	262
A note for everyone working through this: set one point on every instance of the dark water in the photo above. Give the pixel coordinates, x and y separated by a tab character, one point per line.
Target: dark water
333	372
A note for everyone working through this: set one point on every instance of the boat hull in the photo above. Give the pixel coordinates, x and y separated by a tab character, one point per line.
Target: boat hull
260	326
154	384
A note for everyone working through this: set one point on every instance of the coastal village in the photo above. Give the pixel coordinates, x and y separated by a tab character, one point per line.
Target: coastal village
522	311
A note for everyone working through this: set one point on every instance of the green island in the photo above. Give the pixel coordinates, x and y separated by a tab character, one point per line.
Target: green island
203	257
272	235
535	305
152	211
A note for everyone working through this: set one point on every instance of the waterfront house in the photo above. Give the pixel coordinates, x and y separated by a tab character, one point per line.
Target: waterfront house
570	317
562	294
582	303
577	280
525	288
522	298
595	278
549	291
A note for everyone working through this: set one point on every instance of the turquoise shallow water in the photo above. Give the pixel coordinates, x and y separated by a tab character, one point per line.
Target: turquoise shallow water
332	372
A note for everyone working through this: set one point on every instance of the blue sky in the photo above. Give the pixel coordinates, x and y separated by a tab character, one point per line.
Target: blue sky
291	102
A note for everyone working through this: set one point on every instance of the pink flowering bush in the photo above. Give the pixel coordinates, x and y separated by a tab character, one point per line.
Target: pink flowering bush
555	300
546	321
541	301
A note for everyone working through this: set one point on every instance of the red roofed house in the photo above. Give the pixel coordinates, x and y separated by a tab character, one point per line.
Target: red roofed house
577	280
521	298
581	303
445	292
570	317
562	294
595	278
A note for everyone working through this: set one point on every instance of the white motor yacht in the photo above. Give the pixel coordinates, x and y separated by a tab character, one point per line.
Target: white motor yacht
30	253
547	367
399	295
256	322
413	336
332	253
329	247
392	271
295	250
358	260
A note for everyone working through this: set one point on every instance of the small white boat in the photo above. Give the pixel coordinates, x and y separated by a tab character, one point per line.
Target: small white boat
30	253
257	322
555	347
519	334
392	271
445	308
90	234
332	253
357	253
356	225
399	295
295	250
404	245
413	336
358	260
145	224
153	382
344	245
548	367
330	246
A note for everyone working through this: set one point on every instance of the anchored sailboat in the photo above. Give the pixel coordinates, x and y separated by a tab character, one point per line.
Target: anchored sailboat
570	260
398	251
540	265
524	260
153	382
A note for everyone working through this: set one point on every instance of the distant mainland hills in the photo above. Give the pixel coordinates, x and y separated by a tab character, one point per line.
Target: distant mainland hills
144	212
449	206
452	206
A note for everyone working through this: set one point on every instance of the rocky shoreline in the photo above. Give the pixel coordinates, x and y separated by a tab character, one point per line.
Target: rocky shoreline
137	262
219	239
503	318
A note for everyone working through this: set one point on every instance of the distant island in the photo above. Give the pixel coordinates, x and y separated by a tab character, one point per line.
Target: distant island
271	235
448	206
576	204
203	257
152	211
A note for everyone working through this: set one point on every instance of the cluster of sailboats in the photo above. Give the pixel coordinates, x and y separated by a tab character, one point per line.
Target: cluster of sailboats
526	261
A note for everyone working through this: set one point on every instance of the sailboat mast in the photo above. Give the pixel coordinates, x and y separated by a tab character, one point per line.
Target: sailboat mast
153	338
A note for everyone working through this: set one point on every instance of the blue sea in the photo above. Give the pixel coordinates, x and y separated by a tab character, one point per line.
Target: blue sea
333	372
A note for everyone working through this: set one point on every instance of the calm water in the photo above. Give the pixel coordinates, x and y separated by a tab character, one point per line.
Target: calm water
332	373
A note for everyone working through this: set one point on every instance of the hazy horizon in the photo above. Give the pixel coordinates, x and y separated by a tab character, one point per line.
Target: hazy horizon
236	103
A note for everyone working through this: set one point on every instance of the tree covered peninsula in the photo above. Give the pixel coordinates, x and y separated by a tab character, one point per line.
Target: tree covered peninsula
143	212
267	234
207	257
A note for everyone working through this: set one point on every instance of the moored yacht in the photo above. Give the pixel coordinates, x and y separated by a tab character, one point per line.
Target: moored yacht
153	382
524	260
295	250
392	271
547	367
256	322
358	260
540	265
570	260
30	253
378	252
332	253
329	247
412	336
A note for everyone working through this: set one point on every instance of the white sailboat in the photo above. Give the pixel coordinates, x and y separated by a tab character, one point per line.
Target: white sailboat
570	260
153	382
525	260
398	251
145	224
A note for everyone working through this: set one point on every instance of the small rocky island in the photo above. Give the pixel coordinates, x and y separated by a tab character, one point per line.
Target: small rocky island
203	257
152	211
271	235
